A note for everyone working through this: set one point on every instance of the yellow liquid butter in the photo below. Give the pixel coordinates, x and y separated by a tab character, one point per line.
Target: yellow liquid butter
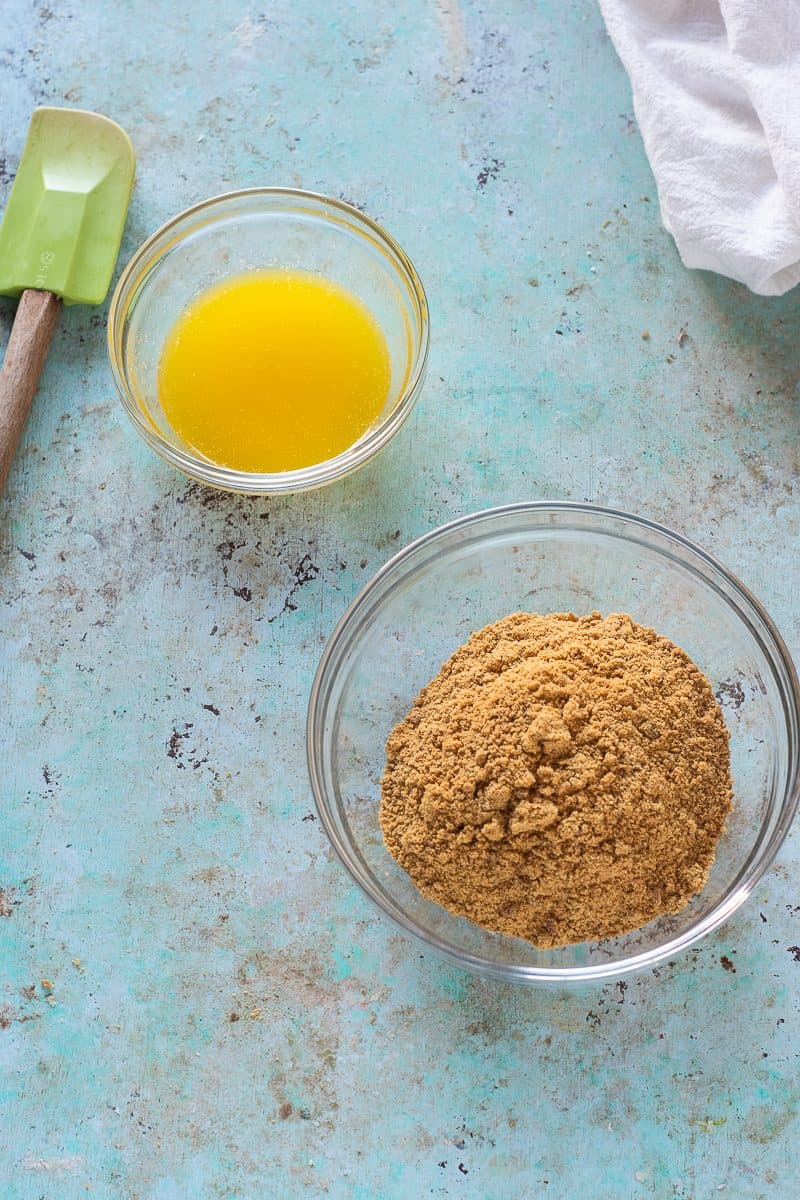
273	371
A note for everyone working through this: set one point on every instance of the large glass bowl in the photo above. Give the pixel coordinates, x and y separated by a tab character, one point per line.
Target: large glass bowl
251	230
550	558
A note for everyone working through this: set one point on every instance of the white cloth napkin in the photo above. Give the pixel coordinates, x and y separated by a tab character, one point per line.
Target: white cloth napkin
716	89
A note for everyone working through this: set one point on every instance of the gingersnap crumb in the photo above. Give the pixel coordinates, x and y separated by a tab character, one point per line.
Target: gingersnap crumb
563	779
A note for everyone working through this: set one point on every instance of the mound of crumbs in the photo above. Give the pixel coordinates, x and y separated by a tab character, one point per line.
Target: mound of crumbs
562	779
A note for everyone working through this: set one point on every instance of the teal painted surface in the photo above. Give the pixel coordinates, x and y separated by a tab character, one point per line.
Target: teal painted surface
158	860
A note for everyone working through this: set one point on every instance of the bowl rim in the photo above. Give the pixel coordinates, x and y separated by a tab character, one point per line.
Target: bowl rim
268	483
601	972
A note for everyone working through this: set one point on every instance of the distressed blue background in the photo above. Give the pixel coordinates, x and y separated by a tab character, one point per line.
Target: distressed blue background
228	1018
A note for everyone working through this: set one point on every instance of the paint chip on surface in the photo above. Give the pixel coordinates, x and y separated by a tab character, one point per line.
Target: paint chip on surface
67	1162
247	32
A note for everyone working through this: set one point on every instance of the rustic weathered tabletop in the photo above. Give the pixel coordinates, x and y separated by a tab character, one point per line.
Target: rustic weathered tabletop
224	1014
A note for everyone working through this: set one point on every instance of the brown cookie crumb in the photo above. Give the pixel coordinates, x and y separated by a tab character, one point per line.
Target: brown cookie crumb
562	779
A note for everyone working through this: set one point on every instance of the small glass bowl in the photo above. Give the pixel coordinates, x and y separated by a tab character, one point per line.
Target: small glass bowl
550	558
251	230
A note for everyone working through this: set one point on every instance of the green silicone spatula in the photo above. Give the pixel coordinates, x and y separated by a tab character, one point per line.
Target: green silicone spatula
59	240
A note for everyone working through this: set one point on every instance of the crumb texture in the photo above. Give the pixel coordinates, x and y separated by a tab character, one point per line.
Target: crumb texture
562	779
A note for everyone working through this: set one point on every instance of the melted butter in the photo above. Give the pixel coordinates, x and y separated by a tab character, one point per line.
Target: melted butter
273	371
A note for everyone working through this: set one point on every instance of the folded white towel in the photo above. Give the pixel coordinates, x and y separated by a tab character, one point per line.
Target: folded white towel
716	89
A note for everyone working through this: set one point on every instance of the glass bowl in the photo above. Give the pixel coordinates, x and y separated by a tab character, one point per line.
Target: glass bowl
252	230
550	558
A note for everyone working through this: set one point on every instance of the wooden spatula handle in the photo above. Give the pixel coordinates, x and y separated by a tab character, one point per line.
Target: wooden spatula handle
34	325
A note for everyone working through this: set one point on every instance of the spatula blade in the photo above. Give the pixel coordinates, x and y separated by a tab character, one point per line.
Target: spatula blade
63	223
